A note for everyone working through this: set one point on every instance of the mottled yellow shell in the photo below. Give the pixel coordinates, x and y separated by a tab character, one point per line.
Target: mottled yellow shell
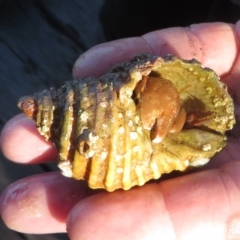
98	132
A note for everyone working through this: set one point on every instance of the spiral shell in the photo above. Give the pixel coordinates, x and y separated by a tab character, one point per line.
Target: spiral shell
97	128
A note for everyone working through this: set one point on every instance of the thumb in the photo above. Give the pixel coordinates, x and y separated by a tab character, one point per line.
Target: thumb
203	205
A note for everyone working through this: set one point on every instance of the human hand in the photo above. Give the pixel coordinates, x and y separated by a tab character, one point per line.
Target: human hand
201	205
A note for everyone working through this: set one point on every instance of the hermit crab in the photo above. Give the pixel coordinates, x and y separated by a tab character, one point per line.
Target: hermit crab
145	117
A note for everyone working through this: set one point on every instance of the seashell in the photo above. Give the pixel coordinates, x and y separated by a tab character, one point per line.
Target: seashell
143	118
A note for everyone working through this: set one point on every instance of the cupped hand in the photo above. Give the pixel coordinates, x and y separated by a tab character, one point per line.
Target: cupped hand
201	205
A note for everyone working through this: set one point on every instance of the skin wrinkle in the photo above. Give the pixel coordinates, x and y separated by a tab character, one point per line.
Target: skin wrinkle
172	44
160	43
233	221
171	231
221	27
194	29
199	46
122	203
124	50
192	43
230	153
147	44
195	190
237	41
236	28
167	210
223	167
223	175
165	195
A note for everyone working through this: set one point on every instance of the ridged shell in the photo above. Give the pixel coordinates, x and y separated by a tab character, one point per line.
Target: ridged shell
98	132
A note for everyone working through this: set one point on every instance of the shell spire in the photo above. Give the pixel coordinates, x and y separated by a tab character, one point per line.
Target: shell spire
107	133
28	106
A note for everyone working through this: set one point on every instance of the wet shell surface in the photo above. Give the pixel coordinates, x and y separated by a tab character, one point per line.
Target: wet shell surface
143	118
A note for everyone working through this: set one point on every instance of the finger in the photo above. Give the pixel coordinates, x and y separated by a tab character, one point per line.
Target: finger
230	153
41	203
232	80
207	42
101	58
213	44
196	206
21	142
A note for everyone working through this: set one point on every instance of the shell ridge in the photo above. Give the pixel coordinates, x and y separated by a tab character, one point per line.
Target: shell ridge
65	143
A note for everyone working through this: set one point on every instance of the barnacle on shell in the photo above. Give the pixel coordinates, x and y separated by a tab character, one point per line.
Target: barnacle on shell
101	126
